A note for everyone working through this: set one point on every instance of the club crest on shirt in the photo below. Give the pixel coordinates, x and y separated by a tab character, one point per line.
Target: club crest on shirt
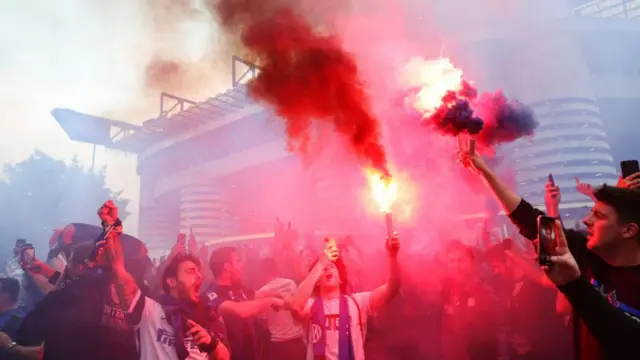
316	333
166	337
212	296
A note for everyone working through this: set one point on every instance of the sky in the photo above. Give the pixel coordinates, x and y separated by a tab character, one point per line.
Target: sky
91	56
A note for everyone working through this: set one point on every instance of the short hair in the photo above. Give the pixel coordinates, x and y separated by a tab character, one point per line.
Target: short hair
625	202
172	268
11	287
219	257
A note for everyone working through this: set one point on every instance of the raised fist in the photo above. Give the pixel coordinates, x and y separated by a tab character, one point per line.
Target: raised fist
108	212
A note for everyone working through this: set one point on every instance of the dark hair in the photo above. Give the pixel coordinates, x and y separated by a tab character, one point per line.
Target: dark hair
625	202
342	275
219	257
11	287
172	268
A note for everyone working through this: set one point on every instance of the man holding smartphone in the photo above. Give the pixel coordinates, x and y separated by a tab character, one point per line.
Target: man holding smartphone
603	285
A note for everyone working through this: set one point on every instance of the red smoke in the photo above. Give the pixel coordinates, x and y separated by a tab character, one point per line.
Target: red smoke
305	76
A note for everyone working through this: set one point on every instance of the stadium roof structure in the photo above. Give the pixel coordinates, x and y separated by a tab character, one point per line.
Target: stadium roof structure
176	116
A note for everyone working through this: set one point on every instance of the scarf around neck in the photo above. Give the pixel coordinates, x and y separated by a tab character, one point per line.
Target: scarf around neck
318	328
177	313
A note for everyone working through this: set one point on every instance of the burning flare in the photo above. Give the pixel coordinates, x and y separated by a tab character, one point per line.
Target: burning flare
432	79
449	103
383	189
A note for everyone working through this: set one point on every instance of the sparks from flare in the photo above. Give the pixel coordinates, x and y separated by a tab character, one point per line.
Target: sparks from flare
433	80
383	189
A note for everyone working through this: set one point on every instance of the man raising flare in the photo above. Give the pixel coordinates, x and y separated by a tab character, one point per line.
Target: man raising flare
599	273
173	327
335	320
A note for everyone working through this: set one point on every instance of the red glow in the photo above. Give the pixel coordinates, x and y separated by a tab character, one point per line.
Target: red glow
305	76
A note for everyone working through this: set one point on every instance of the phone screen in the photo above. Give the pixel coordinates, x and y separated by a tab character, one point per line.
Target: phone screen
629	167
546	239
28	254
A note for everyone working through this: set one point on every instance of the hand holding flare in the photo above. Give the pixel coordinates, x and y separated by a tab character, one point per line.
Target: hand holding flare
470	145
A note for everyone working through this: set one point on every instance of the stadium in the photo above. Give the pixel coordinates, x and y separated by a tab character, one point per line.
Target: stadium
583	97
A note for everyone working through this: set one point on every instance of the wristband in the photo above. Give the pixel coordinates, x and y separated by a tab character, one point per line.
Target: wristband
210	347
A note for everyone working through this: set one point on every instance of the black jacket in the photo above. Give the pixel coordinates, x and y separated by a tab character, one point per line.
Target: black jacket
616	332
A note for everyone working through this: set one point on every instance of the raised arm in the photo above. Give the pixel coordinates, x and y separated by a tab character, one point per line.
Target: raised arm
125	285
617	332
387	292
40	273
243	309
508	199
521	213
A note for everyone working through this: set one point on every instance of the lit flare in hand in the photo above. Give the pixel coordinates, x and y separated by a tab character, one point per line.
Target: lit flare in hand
385	192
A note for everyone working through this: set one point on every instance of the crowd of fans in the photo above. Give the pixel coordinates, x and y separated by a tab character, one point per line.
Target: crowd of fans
99	296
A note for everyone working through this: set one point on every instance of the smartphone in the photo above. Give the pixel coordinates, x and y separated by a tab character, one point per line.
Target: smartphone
546	239
629	167
28	255
551	181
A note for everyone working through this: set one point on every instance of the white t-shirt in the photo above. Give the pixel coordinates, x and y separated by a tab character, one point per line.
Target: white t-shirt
331	313
156	337
282	326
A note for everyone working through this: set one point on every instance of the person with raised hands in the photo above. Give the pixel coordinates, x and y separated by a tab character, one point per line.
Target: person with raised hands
607	257
176	326
334	319
615	326
238	305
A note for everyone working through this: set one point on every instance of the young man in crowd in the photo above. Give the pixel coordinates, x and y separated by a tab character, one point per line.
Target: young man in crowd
237	304
81	318
335	320
170	327
598	273
285	333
